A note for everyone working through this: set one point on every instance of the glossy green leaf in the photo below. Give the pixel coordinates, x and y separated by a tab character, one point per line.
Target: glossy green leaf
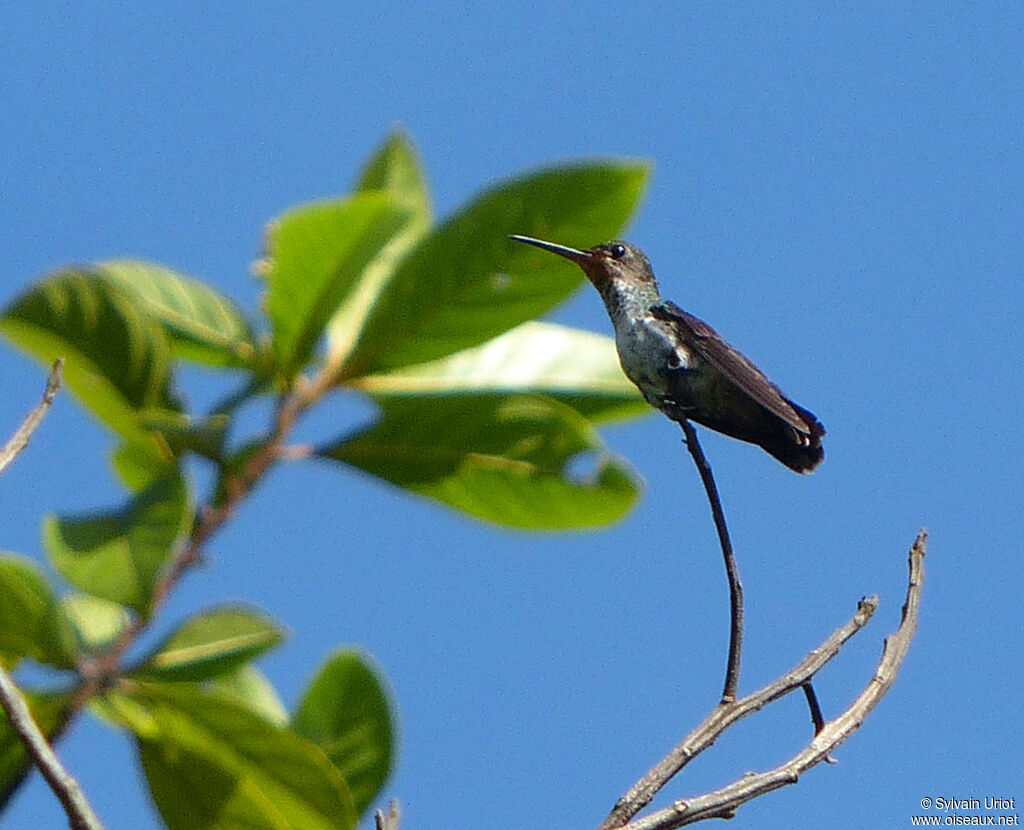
120	555
203	325
117	358
318	252
509	460
212	763
47	711
465	282
212	643
345	711
249	686
395	169
94	623
29	621
577	367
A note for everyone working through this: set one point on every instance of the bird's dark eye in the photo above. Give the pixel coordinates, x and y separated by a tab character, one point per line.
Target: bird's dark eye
618	251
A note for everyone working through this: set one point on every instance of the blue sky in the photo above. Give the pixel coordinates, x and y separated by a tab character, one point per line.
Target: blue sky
837	190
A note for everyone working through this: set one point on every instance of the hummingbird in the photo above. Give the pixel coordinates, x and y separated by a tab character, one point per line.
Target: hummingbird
683	367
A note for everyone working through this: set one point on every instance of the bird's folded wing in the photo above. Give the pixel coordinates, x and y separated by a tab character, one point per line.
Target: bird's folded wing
731	363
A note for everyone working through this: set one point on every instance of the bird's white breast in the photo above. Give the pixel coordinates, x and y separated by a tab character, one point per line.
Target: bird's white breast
647	349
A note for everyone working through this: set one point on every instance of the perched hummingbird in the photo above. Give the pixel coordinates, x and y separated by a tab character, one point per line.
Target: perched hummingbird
683	367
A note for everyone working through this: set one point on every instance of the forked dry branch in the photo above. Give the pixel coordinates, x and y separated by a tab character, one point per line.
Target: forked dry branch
724	802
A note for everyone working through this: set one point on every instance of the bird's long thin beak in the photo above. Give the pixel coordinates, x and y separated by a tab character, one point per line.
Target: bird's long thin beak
569	253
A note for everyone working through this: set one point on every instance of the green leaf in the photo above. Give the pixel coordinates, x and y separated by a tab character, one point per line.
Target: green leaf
577	367
94	623
117	358
466	282
142	460
212	763
47	711
210	644
509	460
395	168
345	711
204	326
184	433
247	685
29	624
120	555
317	254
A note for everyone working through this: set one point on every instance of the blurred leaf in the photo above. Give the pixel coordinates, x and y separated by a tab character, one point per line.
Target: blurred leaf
318	252
47	711
465	282
120	555
211	762
505	459
248	685
95	623
117	358
29	624
345	712
577	367
394	168
204	326
184	433
142	460
210	644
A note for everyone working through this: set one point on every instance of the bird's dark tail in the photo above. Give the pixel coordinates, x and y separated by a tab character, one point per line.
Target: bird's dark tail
799	451
798	448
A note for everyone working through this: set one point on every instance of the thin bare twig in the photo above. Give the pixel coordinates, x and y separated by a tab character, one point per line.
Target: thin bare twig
732	665
80	814
23	434
724	802
817	718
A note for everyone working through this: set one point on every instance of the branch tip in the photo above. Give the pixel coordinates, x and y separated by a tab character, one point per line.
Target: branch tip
54	380
24	432
390	819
